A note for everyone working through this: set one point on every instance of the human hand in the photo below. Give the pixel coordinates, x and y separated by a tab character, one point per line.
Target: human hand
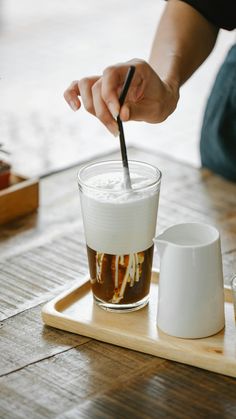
149	98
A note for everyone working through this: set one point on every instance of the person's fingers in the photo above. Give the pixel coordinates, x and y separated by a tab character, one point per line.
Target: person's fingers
112	82
81	88
101	110
135	97
85	87
71	95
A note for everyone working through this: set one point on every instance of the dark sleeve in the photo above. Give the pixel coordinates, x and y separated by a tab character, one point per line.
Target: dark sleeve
221	13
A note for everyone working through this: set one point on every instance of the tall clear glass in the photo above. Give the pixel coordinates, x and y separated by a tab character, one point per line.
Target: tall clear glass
119	226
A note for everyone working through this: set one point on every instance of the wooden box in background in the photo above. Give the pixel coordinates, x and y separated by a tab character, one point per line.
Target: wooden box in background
20	198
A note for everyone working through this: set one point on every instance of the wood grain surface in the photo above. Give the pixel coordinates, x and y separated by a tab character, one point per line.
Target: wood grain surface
74	311
46	373
31	277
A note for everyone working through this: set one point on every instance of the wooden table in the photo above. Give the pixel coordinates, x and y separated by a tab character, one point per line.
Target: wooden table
47	373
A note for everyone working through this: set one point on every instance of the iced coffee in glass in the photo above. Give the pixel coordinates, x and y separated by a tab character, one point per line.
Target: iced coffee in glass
119	226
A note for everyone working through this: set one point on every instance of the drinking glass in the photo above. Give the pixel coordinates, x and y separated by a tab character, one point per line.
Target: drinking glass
119	226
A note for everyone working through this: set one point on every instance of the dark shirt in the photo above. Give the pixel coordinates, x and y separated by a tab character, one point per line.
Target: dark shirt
221	13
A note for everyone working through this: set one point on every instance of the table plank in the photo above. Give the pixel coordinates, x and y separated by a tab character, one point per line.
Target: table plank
33	277
57	384
100	380
25	341
172	391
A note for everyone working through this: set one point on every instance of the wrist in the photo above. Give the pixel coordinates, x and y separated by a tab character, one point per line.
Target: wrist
172	95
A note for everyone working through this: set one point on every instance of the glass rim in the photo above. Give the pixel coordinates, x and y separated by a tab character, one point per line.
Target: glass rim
82	183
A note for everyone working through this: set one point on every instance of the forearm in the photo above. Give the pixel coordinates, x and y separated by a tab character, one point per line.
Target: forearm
183	40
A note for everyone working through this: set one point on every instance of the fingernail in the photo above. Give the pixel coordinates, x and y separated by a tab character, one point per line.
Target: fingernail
73	105
113	129
113	109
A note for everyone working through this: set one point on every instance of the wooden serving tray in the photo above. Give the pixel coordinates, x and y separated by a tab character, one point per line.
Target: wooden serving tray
75	311
20	198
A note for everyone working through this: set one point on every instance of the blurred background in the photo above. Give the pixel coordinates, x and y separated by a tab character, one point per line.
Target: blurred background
44	45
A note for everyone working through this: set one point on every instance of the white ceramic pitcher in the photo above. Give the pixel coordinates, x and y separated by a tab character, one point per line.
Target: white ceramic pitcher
191	292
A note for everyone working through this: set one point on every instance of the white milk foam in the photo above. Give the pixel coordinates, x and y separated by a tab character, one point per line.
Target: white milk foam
117	221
